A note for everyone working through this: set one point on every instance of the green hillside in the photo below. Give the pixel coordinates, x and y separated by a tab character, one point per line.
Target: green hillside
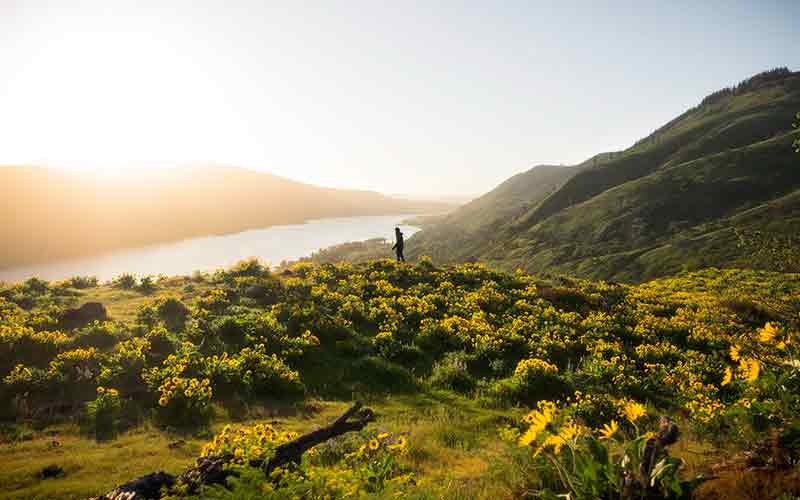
669	202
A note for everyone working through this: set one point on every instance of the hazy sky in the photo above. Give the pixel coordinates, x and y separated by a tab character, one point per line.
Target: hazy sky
396	96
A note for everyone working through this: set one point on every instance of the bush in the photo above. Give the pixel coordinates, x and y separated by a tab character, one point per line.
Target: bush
267	375
35	286
147	285
23	345
125	281
103	414
173	313
377	374
261	290
533	380
232	330
452	373
161	346
436	339
184	402
100	335
569	299
122	367
81	282
214	300
245	268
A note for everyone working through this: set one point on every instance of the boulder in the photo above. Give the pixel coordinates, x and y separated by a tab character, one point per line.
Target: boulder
82	316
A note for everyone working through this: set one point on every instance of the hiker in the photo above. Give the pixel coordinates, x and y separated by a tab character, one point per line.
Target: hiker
398	245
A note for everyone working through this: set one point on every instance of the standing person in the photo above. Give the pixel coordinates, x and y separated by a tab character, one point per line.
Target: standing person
398	244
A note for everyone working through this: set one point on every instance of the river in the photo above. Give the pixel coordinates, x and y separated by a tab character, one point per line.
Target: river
271	245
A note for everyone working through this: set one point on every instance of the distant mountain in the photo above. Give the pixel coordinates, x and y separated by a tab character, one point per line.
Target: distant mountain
48	214
669	202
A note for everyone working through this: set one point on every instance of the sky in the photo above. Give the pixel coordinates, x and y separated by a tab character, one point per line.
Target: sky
426	98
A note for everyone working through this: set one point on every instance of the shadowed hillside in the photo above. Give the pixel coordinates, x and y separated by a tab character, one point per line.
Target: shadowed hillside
50	214
669	202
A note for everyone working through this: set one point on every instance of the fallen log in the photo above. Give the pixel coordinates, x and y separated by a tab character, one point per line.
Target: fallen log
213	469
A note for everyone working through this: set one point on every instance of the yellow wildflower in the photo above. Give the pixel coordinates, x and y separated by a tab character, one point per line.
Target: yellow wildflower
569	430
608	430
374	444
101	389
552	440
633	411
767	333
735	353
538	419
728	376
752	369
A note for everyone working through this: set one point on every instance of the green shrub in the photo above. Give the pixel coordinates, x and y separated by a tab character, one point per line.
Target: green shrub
184	402
122	367
125	281
266	374
161	345
377	374
101	335
147	285
35	286
81	282
103	414
20	344
452	373
524	389
173	313
436	339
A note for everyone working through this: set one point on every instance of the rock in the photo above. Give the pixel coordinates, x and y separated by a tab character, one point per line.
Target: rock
82	316
51	471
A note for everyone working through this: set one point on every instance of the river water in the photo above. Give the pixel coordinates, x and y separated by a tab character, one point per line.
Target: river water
271	245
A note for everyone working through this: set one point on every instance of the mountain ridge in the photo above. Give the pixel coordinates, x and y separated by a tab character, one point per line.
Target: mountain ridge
674	180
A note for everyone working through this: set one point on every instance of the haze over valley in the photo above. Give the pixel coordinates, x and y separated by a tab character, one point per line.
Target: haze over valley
51	214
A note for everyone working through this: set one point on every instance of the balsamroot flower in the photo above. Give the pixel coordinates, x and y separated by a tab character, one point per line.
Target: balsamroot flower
751	368
538	420
634	411
728	376
609	429
767	333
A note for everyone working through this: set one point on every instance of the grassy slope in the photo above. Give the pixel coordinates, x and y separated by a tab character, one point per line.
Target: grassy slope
689	179
461	234
453	443
669	207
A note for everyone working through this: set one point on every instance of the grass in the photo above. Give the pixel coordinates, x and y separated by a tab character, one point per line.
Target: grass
90	468
452	444
123	304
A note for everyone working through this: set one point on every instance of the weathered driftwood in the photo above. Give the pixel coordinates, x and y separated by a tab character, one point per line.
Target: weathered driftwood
212	470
